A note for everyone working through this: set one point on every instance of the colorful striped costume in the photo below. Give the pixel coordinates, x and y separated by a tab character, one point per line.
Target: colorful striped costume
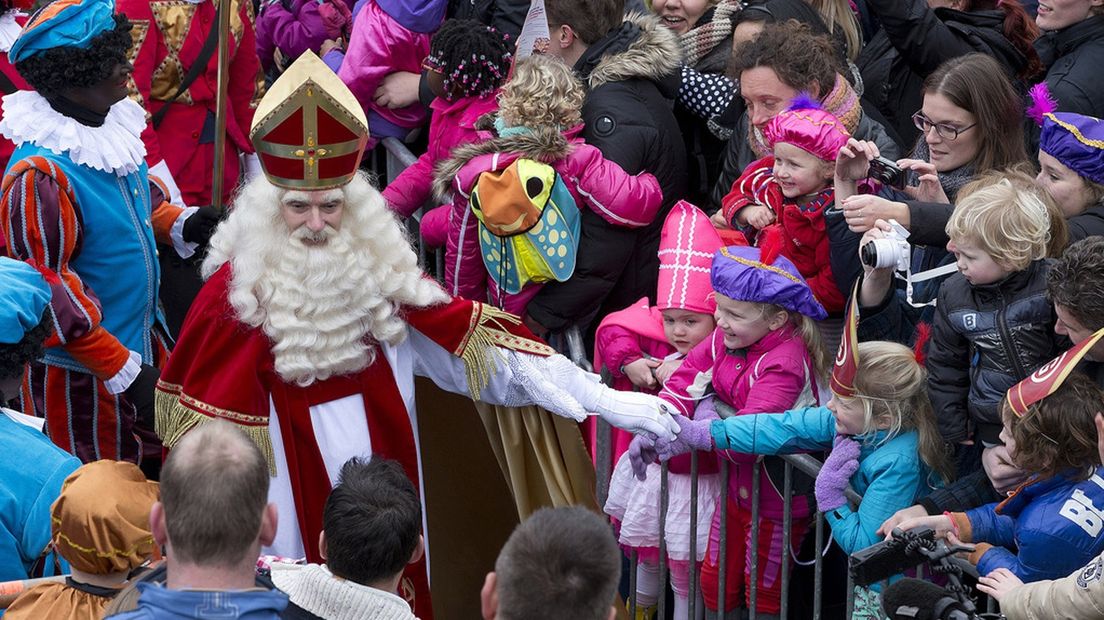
91	233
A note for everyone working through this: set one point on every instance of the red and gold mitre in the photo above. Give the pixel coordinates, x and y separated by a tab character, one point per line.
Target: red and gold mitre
1049	377
309	130
847	357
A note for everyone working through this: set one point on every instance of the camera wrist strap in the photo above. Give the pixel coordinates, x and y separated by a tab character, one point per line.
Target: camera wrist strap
923	276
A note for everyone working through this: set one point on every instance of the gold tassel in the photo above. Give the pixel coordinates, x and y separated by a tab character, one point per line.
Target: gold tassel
481	352
173	419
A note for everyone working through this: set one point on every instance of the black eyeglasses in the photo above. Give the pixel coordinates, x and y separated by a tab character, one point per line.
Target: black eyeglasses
945	131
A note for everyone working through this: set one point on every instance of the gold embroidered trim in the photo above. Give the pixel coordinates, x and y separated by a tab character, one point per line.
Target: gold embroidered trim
759	265
111	553
178	413
1099	144
486	334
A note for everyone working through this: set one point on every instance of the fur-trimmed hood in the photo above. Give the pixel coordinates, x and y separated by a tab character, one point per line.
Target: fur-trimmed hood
641	47
544	144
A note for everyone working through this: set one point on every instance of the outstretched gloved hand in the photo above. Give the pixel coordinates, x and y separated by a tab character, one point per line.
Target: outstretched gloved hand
200	225
838	468
565	389
693	435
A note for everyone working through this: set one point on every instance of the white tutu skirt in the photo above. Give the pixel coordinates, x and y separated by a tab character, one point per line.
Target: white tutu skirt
636	504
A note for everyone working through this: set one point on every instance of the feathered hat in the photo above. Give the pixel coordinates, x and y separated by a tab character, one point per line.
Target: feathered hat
686	248
761	275
1076	140
808	126
1049	377
309	129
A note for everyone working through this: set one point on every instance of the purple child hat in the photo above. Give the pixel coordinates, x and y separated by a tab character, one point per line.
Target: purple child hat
1077	141
741	273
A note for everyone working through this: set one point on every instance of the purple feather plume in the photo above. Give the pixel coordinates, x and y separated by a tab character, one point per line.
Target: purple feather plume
805	101
1042	103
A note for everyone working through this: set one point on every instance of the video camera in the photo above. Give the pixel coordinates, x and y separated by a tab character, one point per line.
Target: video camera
913	598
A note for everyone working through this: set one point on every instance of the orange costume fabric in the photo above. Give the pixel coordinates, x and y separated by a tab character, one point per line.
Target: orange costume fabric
168	36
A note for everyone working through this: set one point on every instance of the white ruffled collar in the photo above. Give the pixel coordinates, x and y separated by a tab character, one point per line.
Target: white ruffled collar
9	29
314	588
116	146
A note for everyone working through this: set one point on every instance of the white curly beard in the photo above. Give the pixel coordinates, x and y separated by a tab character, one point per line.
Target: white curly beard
325	307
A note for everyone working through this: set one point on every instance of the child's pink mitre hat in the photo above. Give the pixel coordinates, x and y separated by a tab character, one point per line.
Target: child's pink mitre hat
686	248
809	127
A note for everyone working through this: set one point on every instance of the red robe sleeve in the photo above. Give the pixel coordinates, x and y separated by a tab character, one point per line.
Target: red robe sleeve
216	371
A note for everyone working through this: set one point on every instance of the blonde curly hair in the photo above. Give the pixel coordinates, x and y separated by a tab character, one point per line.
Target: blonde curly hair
543	92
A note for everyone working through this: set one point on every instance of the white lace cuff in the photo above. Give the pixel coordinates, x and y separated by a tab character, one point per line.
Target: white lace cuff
122	379
184	248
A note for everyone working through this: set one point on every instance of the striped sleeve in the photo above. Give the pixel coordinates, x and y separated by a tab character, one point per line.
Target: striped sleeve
43	227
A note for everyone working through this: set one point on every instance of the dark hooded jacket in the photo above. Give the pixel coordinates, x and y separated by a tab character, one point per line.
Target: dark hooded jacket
1074	58
507	16
632	77
911	44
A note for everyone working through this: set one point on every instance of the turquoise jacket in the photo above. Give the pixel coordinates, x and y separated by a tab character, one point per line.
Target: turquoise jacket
890	476
31	472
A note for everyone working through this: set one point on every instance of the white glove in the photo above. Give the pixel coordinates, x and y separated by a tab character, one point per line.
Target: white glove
567	390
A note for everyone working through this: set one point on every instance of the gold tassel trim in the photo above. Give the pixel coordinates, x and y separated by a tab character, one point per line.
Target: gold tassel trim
174	418
488	333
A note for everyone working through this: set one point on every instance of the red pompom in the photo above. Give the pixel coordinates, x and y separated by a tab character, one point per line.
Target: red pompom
770	244
920	345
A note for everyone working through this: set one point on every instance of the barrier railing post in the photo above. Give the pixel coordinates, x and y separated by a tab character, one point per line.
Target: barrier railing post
818	568
692	592
787	535
661	604
722	552
633	566
753	562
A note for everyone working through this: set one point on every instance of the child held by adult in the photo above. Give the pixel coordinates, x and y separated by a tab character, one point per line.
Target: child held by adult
467	64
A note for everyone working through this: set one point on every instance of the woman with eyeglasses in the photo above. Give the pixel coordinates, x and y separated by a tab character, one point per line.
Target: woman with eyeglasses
972	123
917	36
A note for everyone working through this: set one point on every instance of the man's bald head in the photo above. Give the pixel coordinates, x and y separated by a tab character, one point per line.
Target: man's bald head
214	488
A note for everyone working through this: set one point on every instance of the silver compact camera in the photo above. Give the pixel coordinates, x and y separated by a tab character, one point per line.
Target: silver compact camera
890	252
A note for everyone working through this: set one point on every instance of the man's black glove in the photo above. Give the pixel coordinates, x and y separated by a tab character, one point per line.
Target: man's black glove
140	394
200	225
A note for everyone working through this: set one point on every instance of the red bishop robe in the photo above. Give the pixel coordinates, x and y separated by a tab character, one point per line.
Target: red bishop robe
222	368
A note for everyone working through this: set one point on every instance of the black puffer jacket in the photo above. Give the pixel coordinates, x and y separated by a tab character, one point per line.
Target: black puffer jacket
507	16
985	339
1074	58
632	77
912	42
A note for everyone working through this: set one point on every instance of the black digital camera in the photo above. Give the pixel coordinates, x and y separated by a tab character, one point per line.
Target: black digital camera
889	173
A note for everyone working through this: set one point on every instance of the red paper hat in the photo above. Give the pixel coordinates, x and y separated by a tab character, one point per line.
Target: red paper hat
686	248
1049	377
847	357
309	130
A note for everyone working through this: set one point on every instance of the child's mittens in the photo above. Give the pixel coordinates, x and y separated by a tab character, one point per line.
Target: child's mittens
336	16
838	468
693	435
707	409
641	454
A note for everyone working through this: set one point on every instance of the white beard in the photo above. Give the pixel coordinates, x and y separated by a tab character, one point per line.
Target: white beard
325	307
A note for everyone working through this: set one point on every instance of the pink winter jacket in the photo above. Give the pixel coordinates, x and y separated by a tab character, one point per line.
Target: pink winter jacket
381	45
594	182
452	124
773	375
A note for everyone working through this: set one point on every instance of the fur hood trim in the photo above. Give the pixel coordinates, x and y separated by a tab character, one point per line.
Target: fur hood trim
544	144
654	55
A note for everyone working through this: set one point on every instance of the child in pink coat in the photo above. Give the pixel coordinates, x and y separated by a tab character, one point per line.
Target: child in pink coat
764	356
465	91
539	119
641	347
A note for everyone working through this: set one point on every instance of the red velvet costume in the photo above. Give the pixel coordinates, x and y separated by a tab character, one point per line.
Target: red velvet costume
222	368
168	35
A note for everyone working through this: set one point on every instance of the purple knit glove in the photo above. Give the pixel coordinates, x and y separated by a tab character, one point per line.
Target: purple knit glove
707	409
836	472
693	435
641	454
